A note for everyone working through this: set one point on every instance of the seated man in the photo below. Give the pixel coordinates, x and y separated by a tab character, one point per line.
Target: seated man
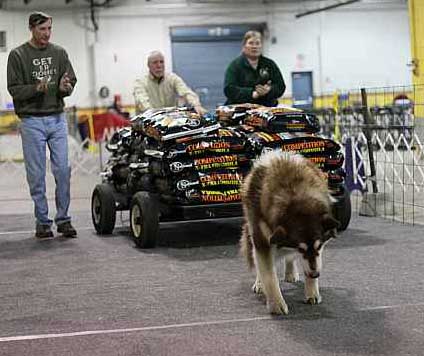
159	89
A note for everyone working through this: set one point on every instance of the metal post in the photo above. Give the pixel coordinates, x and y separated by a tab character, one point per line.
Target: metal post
367	132
100	156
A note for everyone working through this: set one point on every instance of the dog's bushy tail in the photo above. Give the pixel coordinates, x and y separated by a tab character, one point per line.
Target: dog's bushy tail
246	246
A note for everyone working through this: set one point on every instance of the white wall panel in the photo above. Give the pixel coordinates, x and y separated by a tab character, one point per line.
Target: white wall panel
369	49
122	49
69	32
16	31
356	48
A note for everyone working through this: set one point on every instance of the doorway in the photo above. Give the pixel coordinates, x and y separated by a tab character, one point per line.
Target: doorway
302	90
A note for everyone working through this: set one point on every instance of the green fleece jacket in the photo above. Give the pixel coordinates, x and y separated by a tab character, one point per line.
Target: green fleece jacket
241	79
25	67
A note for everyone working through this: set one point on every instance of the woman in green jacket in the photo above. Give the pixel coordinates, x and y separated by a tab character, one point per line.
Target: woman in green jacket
251	77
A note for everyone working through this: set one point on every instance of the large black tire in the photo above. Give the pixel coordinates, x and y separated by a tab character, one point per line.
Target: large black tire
144	219
103	209
342	210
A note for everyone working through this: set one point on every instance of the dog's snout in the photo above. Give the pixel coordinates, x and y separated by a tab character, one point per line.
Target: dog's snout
314	274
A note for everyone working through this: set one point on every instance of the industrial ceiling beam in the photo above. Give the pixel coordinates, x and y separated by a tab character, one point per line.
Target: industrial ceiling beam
325	8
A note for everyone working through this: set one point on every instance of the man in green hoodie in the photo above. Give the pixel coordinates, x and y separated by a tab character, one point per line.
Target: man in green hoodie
39	76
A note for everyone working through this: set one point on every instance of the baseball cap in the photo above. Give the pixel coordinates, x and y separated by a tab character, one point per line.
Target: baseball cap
37	18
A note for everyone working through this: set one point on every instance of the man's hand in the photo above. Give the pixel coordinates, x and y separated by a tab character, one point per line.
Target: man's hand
65	84
263	90
200	109
41	85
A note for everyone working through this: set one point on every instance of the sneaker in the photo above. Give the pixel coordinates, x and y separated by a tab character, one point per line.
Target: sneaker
43	232
66	229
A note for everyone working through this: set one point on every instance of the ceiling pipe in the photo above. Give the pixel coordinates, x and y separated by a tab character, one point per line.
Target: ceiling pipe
330	7
93	6
93	16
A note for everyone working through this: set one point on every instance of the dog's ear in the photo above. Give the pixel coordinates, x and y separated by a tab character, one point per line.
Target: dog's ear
278	236
329	223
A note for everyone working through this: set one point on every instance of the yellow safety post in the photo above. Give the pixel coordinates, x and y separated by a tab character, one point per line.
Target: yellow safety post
335	103
91	146
416	22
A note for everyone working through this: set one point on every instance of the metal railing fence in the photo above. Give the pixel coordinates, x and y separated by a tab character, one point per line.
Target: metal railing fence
382	133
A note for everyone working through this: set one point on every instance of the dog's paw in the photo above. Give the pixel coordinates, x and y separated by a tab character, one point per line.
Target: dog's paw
257	287
277	307
313	300
292	277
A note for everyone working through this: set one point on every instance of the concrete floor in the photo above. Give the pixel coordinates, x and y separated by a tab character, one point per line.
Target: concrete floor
191	295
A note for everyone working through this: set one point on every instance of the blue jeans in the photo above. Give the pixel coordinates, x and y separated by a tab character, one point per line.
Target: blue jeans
36	132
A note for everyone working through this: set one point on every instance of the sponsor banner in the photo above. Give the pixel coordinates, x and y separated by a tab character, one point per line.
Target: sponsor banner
205	164
207	146
328	162
205	196
214	180
282	121
309	145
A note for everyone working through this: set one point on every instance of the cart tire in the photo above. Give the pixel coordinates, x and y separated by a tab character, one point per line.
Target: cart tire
342	211
144	219
103	209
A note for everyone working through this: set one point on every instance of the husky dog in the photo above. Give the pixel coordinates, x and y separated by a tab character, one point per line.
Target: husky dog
287	211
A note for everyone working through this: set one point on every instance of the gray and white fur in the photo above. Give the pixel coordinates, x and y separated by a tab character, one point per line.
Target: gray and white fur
287	213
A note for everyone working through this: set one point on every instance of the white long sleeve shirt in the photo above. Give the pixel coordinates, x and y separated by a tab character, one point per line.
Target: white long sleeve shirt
149	92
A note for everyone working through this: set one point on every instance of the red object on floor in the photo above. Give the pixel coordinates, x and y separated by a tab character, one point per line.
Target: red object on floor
107	121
